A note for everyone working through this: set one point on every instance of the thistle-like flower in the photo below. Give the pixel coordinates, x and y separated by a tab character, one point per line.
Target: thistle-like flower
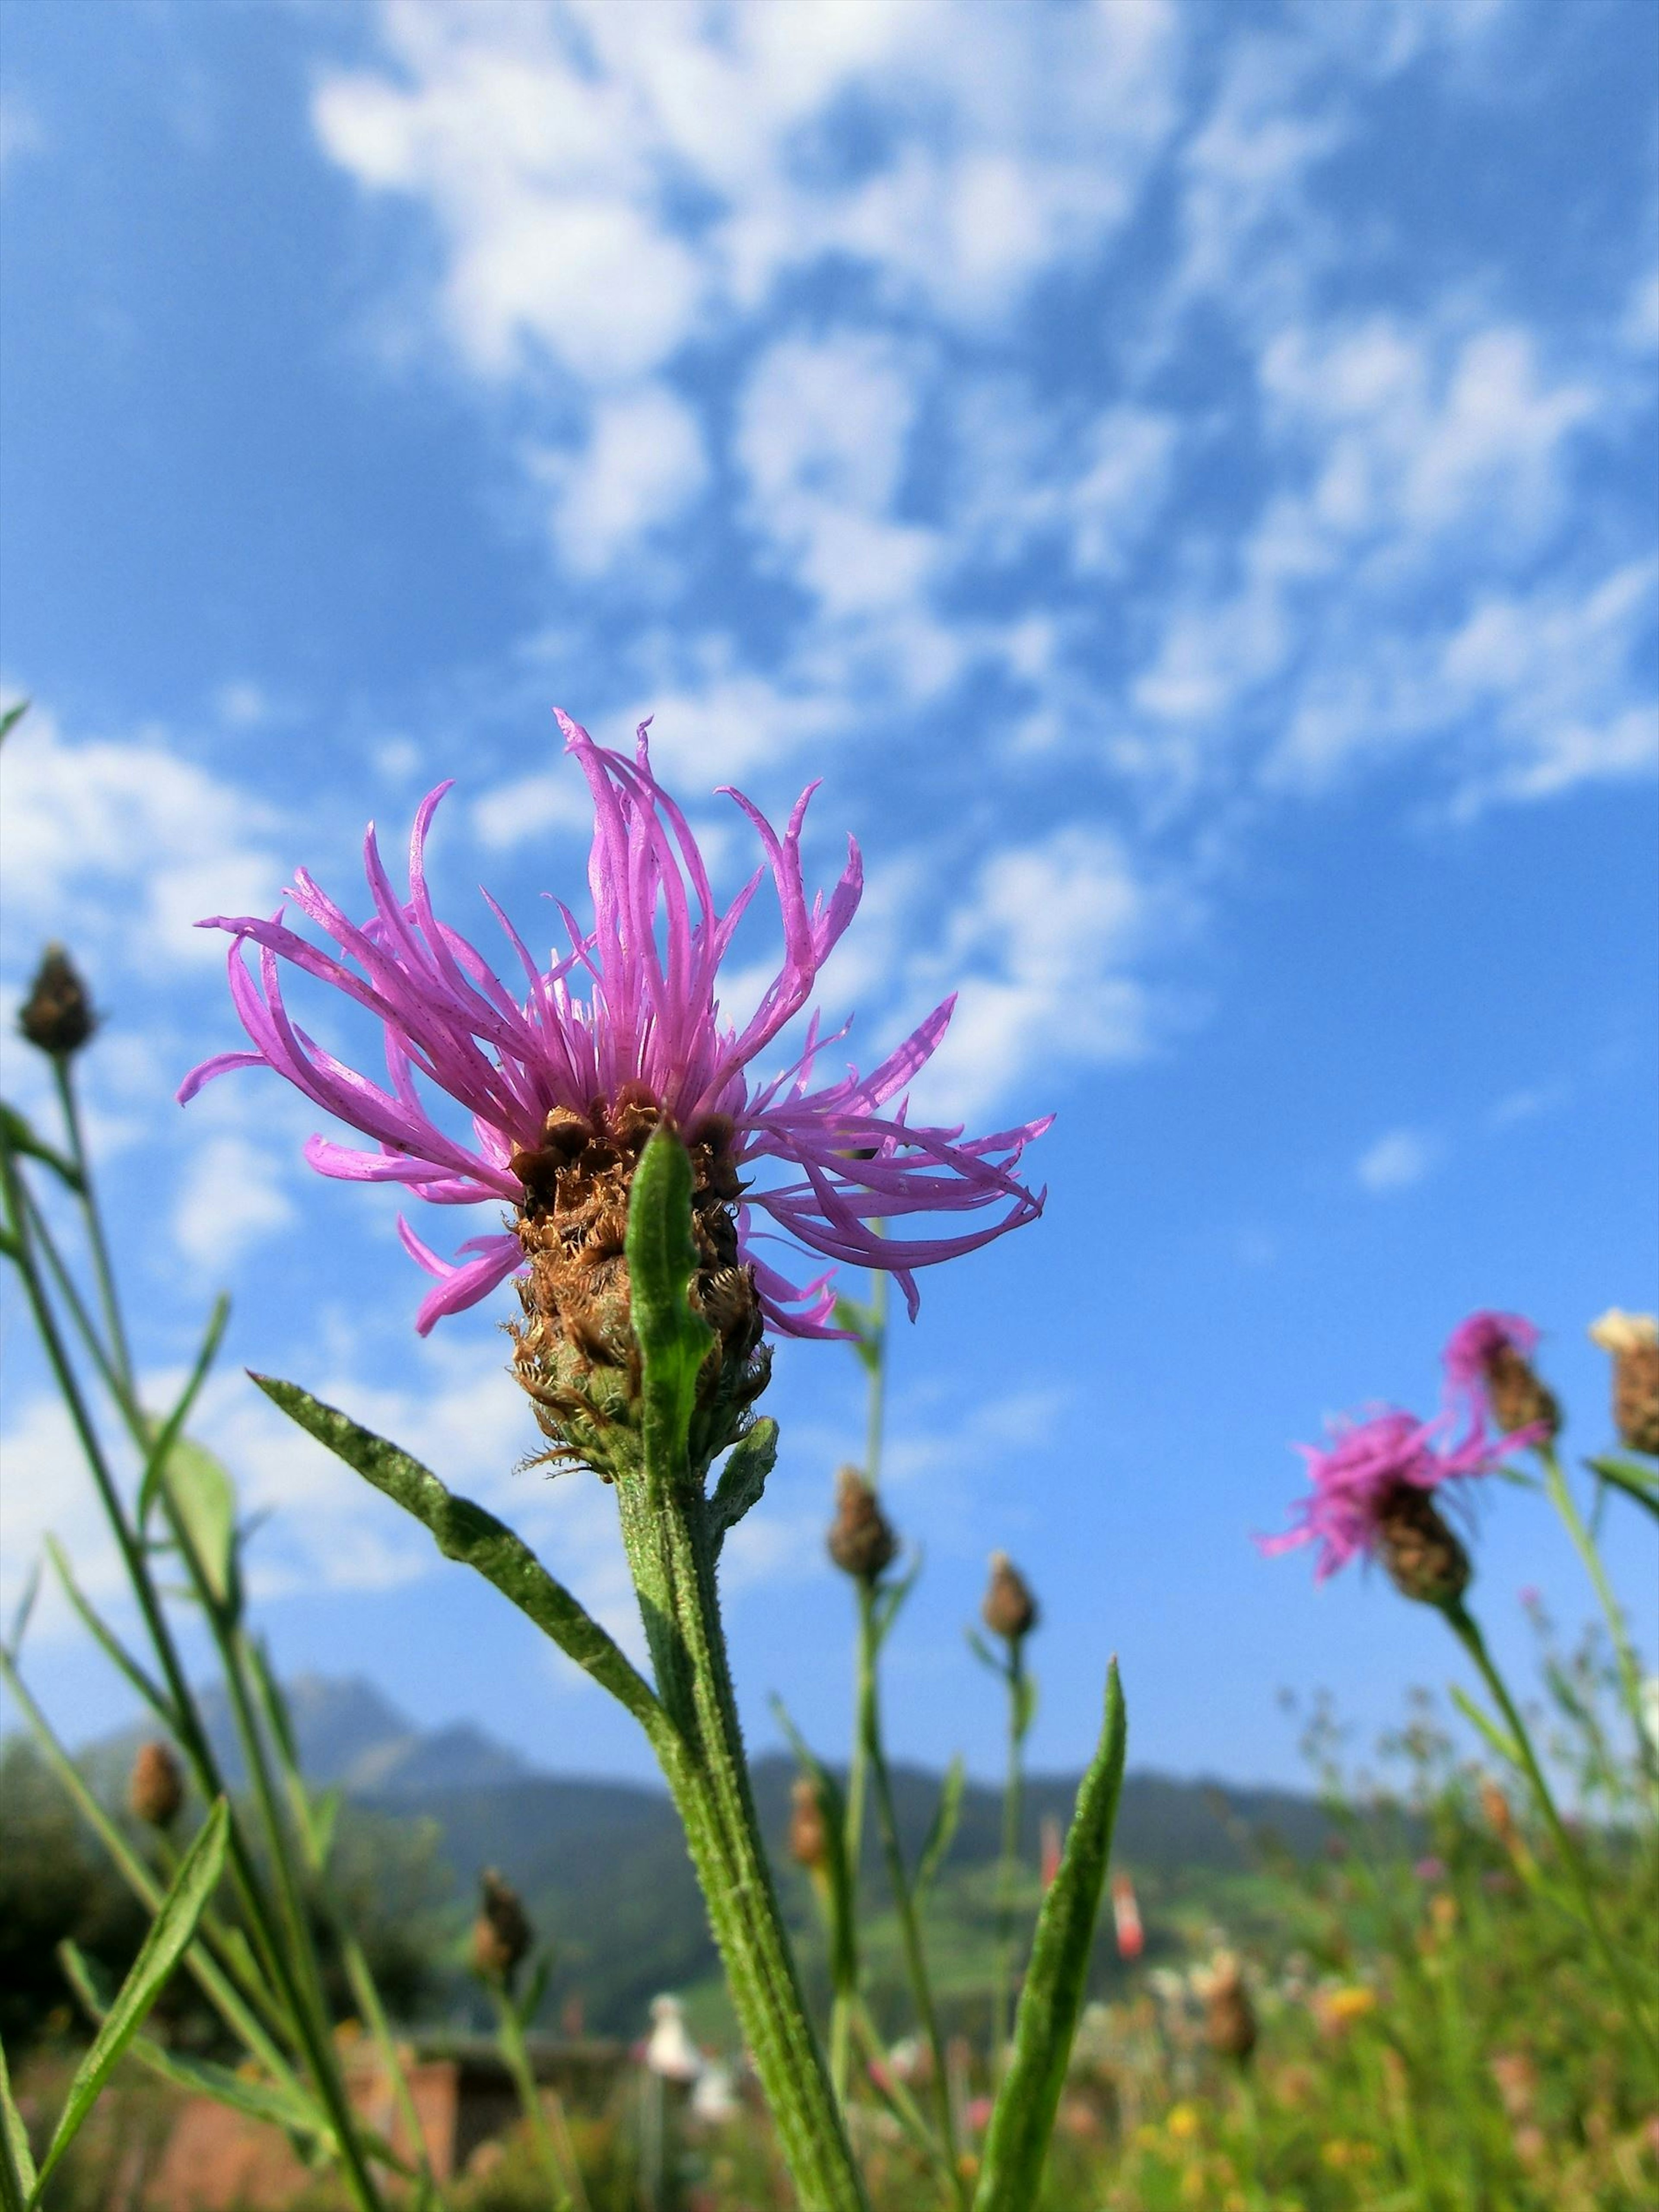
1632	1339
1488	1364
1374	1495
566	1085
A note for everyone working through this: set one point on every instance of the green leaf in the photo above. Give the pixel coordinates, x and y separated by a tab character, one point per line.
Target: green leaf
1499	1739
25	1606
17	1136
888	1601
149	1690
673	1341
1018	2141
943	1827
982	1651
203	1498
10	717
274	2105
163	1438
165	1945
1637	1481
1025	1704
832	1812
465	1532
17	2181
742	1479
865	1326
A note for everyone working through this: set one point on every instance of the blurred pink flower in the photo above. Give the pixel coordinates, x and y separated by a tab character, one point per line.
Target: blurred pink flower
646	1029
1365	1463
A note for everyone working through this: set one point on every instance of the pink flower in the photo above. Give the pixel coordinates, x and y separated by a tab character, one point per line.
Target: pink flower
629	1014
1472	1347
1366	1465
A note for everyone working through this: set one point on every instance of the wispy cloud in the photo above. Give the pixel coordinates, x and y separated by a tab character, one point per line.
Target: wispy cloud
1399	1159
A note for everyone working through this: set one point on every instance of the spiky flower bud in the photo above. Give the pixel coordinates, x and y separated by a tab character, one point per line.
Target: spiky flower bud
57	1016
1425	1559
809	1839
861	1542
156	1788
1633	1341
1009	1610
501	1933
1230	2026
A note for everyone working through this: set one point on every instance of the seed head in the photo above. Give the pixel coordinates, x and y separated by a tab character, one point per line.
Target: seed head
809	1839
57	1016
156	1788
1633	1340
1424	1558
861	1542
502	1934
1009	1610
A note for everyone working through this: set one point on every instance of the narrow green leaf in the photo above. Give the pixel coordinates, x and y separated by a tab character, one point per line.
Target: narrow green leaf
942	1829
25	1608
832	1813
1499	1739
203	1498
1018	2141
662	1259
17	2181
276	2105
862	1321
1025	1704
890	1602
12	716
17	1135
528	2001
742	1479
165	1945
982	1651
168	1435
149	1690
1637	1481
465	1532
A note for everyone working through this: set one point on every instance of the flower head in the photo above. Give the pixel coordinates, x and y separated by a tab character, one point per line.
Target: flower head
1633	1339
566	1076
1369	1486
1488	1366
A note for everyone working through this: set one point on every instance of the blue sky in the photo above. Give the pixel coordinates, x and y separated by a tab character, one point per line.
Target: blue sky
1183	475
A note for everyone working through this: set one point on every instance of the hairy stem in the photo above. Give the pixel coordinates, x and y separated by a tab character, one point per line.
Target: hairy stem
1008	1867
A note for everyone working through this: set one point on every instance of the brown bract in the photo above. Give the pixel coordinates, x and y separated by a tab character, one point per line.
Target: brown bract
575	1350
861	1542
1635	1397
501	1933
57	1016
1425	1559
156	1788
1518	1399
1009	1610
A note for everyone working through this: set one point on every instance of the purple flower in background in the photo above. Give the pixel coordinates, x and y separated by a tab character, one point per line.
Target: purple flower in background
1488	1366
1370	1472
622	1030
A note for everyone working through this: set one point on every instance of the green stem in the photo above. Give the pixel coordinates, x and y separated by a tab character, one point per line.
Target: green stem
1008	1869
516	2053
699	1745
104	1274
1464	1628
193	1740
916	1958
1630	1671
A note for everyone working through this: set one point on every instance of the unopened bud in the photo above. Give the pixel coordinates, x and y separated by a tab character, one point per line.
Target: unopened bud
1499	1817
1518	1398
1230	2027
1424	1558
501	1933
1009	1609
156	1788
861	1542
1633	1341
809	1839
57	1016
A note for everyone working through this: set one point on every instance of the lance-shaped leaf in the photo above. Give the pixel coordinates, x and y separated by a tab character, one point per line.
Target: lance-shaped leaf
11	717
1637	1481
743	1478
203	1500
1499	1738
941	1830
165	1945
661	1261
167	1436
16	2159
465	1531
1018	2141
149	1690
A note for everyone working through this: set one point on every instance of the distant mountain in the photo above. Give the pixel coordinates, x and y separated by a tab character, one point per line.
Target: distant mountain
602	1865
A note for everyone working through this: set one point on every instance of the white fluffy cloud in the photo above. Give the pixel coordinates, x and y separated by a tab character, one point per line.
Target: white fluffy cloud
643	463
124	845
232	1198
1398	1158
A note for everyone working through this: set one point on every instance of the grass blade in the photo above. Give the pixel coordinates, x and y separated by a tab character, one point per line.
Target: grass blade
17	2182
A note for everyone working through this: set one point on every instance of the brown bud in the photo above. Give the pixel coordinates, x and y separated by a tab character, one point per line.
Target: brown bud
1499	1817
1633	1340
1009	1610
57	1015
1518	1399
1230	2027
861	1542
809	1839
156	1788
501	1932
1424	1558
